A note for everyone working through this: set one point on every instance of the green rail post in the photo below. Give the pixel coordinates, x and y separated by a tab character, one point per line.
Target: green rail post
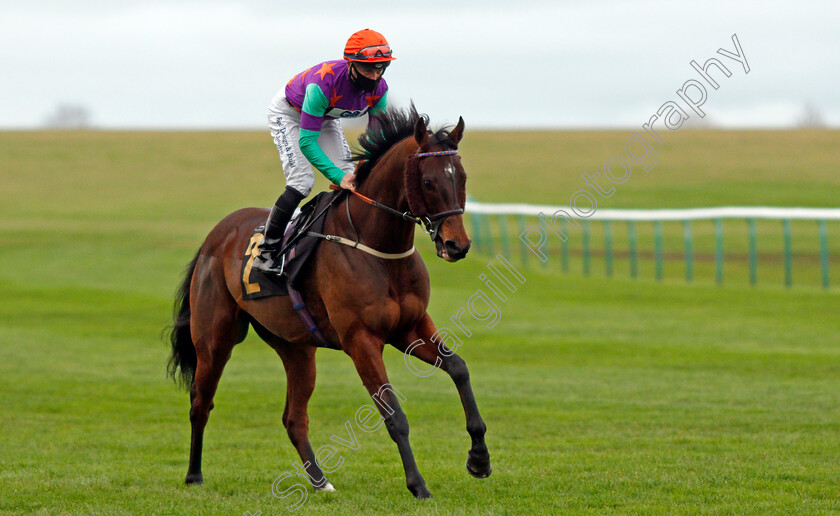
488	233
608	257
689	255
631	236
547	252
522	247
657	236
564	245
476	231
719	251
586	247
788	245
753	253
824	252
503	235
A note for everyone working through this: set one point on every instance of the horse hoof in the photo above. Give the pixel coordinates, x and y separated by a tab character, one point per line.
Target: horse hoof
421	493
326	488
479	469
194	479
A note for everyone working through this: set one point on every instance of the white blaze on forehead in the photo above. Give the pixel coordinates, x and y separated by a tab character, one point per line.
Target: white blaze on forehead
450	169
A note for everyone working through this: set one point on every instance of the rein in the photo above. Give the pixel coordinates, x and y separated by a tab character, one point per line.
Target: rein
429	223
356	244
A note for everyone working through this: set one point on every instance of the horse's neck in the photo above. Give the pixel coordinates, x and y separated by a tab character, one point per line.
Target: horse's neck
378	228
386	181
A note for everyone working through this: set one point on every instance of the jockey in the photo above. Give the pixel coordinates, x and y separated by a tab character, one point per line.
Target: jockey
304	122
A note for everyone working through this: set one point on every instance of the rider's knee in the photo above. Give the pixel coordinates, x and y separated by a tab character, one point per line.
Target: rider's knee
303	185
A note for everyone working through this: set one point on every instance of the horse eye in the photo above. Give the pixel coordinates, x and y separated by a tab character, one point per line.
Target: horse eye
427	183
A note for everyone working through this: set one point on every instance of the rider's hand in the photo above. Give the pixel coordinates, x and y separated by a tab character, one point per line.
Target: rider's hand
348	182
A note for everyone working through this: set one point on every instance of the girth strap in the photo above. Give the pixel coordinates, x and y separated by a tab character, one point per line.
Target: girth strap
306	317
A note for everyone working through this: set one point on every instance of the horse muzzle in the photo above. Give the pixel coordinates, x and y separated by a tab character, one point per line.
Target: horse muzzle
450	250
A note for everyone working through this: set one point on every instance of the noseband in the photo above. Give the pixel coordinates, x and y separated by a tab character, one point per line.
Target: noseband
430	223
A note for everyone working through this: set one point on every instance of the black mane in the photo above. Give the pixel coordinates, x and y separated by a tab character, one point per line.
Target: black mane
385	131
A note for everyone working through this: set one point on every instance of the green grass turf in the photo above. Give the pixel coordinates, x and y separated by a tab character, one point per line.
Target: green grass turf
600	395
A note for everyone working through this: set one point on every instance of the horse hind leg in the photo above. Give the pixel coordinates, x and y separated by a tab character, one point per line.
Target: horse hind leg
217	326
299	362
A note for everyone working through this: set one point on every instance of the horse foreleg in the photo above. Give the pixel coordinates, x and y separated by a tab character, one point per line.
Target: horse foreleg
300	383
478	459
366	352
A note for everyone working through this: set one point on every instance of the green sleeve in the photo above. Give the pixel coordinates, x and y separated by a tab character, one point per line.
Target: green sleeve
381	106
313	152
315	104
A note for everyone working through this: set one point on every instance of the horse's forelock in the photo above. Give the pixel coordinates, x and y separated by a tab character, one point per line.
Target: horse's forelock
443	138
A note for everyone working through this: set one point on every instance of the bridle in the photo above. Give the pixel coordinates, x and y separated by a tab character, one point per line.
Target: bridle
429	223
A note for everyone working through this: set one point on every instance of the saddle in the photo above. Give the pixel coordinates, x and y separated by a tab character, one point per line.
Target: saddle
257	284
298	246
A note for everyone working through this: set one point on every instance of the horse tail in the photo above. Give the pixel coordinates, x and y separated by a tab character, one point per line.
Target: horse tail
183	350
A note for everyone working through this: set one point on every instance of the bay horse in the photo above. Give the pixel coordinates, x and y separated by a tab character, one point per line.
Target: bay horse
359	301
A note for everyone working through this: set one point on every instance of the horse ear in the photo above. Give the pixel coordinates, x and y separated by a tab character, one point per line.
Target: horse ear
421	136
458	133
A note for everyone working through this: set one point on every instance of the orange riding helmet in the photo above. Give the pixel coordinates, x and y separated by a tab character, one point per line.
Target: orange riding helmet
367	46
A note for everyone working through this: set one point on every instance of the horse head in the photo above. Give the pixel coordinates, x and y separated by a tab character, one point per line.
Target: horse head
435	183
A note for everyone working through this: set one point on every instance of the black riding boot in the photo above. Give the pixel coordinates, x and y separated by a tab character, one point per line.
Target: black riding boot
269	260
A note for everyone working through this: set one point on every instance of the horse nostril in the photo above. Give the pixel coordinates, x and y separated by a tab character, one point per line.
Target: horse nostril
453	249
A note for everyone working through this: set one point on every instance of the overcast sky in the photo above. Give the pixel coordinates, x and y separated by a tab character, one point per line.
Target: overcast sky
217	63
